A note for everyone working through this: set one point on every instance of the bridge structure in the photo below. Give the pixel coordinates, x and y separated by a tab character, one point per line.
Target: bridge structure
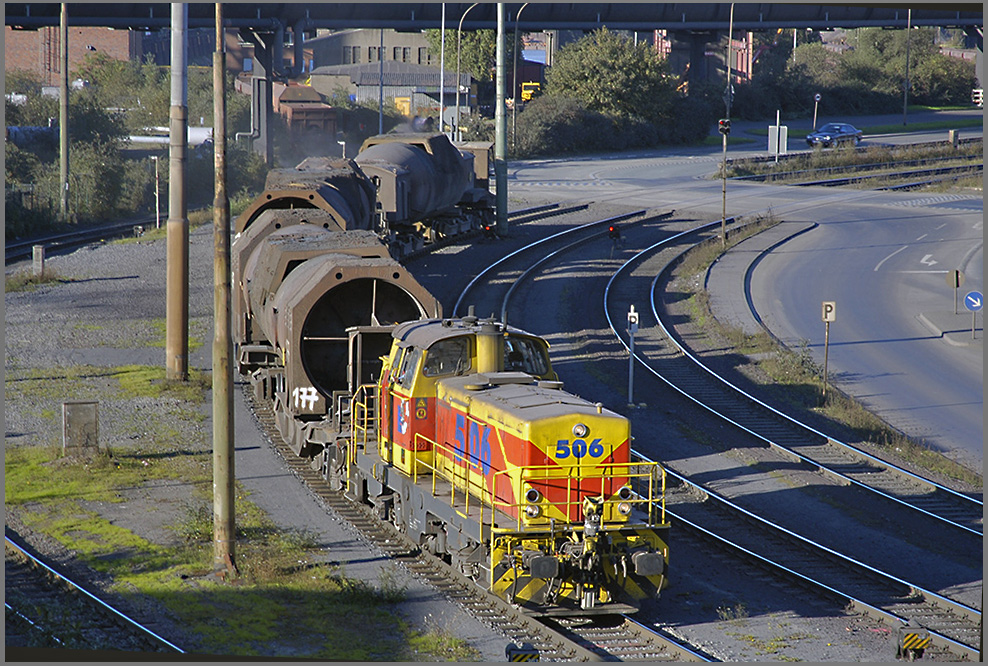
267	25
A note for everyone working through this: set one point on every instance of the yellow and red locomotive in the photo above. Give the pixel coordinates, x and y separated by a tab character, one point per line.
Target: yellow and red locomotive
468	443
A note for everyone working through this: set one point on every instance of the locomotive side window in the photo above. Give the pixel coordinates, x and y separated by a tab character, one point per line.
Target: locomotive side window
525	355
448	357
406	371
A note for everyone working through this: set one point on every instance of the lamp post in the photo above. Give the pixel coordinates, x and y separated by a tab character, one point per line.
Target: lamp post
459	29
442	67
514	79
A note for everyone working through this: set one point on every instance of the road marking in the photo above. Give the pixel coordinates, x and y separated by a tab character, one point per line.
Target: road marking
928	260
889	257
922	237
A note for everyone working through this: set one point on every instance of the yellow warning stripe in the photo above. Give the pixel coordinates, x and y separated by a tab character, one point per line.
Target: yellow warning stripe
916	641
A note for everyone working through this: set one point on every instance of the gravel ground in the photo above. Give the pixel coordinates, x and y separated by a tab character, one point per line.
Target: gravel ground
109	312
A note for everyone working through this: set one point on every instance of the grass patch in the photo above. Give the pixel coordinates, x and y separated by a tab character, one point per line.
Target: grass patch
285	601
28	281
847	156
149	381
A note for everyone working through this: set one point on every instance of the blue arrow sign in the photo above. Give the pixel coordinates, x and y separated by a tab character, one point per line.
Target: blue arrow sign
974	301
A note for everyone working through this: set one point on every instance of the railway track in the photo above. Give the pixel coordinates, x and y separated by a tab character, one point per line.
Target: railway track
514	268
46	609
955	627
57	243
687	374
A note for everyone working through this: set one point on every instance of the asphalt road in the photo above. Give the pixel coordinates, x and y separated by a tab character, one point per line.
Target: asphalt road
884	264
881	256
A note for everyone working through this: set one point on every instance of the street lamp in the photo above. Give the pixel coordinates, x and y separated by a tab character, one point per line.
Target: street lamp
514	79
459	28
157	197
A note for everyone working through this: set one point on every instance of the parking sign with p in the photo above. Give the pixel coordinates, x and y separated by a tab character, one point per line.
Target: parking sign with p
829	311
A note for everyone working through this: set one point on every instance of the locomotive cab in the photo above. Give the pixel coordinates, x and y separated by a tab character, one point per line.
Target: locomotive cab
424	353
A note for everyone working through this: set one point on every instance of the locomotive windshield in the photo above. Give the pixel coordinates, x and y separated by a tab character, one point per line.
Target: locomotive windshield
525	355
448	357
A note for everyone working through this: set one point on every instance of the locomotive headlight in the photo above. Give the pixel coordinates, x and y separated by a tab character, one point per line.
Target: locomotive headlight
624	508
581	430
625	493
532	495
533	510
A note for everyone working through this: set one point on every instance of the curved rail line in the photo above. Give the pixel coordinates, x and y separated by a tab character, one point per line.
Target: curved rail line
589	227
953	626
691	378
33	562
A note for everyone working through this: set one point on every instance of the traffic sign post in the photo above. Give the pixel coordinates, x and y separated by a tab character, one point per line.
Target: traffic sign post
829	314
974	301
632	329
955	280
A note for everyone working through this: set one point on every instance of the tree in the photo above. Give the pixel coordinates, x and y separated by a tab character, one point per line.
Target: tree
478	51
610	74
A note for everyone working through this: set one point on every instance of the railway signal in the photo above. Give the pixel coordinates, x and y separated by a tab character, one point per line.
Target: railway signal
724	126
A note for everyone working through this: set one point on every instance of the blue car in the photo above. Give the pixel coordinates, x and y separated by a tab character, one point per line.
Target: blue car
832	134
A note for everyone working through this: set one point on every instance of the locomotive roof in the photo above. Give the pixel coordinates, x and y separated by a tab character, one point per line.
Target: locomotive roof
515	391
424	332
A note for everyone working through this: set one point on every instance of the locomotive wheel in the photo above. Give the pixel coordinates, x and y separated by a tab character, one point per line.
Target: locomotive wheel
397	514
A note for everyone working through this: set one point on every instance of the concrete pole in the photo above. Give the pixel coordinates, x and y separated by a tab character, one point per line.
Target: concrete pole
224	527
63	115
177	226
905	86
500	133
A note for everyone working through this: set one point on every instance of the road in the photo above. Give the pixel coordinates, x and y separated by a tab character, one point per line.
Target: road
882	256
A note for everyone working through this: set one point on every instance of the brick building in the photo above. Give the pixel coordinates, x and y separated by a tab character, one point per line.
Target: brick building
40	51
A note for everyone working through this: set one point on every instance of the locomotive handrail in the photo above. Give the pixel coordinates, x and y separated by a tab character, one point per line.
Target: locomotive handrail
573	474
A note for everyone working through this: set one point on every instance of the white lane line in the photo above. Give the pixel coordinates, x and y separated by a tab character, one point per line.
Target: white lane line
890	256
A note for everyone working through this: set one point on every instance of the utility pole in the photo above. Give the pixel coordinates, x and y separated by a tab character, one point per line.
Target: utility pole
63	114
500	132
905	87
725	129
224	527
177	226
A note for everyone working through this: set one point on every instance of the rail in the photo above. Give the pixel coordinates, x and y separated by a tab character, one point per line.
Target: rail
936	601
10	543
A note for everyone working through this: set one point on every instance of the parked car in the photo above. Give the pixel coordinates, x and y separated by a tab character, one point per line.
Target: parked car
832	134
